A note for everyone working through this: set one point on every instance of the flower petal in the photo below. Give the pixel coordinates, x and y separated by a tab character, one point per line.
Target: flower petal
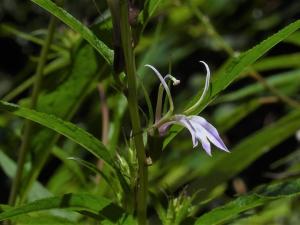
183	120
210	131
163	128
204	142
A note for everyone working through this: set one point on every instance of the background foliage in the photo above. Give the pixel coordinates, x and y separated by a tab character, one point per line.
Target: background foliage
81	139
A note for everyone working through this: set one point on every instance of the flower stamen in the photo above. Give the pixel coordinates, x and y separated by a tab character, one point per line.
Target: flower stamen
205	90
164	84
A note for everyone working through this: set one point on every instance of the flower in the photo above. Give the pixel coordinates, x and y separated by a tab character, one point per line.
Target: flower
201	130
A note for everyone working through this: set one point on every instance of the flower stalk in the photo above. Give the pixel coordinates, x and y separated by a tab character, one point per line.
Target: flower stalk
142	181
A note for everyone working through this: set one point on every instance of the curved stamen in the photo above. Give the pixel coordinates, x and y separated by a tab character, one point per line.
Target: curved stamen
206	81
205	90
164	84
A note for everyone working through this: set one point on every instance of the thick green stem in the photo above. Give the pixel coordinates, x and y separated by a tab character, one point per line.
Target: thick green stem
24	148
142	183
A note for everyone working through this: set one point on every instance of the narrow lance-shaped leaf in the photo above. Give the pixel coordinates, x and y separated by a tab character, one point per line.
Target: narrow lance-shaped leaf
279	81
225	166
9	168
264	195
76	25
235	66
65	128
149	8
86	202
212	172
63	103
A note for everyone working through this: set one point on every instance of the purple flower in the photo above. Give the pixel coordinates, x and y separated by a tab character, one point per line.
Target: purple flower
201	131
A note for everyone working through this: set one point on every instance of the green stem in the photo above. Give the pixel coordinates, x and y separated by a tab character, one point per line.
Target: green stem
142	183
24	148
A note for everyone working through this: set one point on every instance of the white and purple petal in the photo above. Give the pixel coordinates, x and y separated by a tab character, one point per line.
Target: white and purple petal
204	141
200	129
183	120
209	130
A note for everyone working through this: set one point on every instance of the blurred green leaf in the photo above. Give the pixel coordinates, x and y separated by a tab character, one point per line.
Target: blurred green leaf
236	65
262	196
72	166
294	39
44	220
278	62
41	218
65	128
76	202
9	168
227	116
76	25
11	30
149	8
93	168
271	213
279	81
233	69
50	68
225	166
63	102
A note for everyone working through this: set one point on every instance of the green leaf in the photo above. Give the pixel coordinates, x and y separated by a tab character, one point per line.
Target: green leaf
264	195
225	166
11	30
294	39
72	166
85	202
52	67
279	81
278	210
63	102
234	67
93	168
149	8
76	25
65	128
277	62
44	220
9	167
228	116
41	218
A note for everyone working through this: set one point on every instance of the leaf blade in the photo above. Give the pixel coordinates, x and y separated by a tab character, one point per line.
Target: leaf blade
90	203
65	128
76	25
234	67
233	208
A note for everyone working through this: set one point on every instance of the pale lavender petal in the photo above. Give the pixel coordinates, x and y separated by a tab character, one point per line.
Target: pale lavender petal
182	120
205	143
163	128
209	130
